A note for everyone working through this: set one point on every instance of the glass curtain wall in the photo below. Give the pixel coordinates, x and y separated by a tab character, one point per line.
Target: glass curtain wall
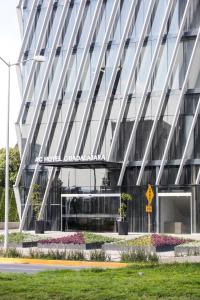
101	180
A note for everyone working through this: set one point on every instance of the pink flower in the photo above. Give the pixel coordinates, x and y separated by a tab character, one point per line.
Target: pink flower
164	240
76	238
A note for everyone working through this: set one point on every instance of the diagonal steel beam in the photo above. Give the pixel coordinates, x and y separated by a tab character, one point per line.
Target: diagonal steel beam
128	24
42	90
18	201
54	105
164	91
184	87
18	71
95	79
51	176
130	79
30	78
41	39
144	95
39	44
19	139
24	44
40	97
68	117
19	17
19	5
198	177
28	29
183	159
26	35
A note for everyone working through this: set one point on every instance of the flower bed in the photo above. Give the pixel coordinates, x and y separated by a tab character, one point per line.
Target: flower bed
166	242
144	240
153	241
142	243
81	241
76	238
74	241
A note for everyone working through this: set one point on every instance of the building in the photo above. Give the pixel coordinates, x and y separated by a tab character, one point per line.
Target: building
114	107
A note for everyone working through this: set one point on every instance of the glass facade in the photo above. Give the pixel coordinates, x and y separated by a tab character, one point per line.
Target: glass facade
116	82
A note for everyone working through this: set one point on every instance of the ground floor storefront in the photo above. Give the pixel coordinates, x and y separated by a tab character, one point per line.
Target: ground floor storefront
86	196
174	210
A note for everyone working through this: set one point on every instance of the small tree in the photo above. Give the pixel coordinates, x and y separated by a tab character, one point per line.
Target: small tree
125	198
14	162
36	199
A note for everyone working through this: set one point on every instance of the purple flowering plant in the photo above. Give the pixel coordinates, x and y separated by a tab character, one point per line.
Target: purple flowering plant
164	240
76	238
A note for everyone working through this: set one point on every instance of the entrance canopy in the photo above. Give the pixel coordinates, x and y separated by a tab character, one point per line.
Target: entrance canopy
90	164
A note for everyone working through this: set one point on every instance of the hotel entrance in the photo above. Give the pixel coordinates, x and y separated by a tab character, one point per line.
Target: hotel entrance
175	213
87	196
96	212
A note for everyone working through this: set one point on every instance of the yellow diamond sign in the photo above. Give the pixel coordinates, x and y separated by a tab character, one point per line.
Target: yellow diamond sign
149	194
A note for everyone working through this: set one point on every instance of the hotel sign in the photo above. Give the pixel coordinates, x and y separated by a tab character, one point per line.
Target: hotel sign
69	158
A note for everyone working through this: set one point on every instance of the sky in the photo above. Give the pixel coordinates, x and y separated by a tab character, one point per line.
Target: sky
10	42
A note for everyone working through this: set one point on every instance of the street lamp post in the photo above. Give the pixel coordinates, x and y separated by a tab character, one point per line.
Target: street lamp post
38	58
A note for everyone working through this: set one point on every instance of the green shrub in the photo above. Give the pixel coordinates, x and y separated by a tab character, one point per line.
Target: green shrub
138	256
125	198
99	255
56	254
14	162
19	237
13	215
11	252
14	237
34	253
133	256
51	254
36	197
153	258
75	255
91	237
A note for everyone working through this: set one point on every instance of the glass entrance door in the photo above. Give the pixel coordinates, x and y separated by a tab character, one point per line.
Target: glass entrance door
96	212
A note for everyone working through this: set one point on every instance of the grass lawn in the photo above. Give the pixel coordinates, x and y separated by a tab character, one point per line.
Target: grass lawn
135	282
